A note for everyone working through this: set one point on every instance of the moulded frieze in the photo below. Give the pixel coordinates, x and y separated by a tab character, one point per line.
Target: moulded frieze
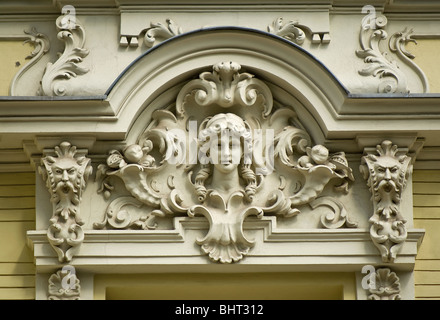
314	21
223	152
157	32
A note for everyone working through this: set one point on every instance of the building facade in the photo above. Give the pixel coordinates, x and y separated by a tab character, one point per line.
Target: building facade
219	150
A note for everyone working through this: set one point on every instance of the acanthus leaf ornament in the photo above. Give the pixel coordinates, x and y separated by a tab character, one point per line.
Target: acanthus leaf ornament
42	45
250	161
397	45
68	65
387	173
66	177
64	285
158	30
289	30
225	87
378	63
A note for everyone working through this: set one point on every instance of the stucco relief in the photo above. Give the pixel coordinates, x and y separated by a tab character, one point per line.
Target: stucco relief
386	286
158	32
66	176
387	173
223	152
383	64
68	65
64	285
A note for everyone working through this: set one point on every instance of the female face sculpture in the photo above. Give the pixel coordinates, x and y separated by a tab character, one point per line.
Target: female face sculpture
222	135
221	141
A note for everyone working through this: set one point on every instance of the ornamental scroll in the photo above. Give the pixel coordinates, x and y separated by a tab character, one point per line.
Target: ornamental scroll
223	151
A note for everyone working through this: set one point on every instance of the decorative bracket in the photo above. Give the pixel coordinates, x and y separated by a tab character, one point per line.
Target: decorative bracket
387	174
66	175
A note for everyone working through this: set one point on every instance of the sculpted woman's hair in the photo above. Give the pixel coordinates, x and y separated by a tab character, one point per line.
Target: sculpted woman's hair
233	125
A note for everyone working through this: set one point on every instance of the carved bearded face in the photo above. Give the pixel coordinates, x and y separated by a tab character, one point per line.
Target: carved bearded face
65	174
387	171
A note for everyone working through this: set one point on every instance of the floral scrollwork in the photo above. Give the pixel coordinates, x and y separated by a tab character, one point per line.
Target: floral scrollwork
160	31
392	79
68	65
289	30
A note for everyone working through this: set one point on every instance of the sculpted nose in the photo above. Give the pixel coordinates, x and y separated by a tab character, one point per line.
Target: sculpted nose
387	174
65	177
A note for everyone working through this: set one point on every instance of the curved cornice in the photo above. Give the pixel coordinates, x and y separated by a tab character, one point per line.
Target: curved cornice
290	69
288	43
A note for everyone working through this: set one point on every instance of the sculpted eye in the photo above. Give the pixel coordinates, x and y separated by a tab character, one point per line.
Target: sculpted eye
58	171
394	169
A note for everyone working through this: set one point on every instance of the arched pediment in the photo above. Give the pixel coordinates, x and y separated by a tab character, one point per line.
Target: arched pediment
294	76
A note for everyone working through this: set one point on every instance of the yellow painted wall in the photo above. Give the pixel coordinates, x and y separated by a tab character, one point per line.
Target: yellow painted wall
230	286
13	57
17	215
426	184
426	57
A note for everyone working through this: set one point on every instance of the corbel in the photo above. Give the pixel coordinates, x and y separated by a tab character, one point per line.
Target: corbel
387	170
65	171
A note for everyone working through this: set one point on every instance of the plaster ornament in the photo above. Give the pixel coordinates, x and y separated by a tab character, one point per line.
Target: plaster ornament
225	87
42	45
289	30
379	64
397	45
222	153
64	285
337	217
160	31
66	177
387	286
387	174
56	75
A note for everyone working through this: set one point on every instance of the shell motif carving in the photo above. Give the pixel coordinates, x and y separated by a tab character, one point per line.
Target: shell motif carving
223	153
